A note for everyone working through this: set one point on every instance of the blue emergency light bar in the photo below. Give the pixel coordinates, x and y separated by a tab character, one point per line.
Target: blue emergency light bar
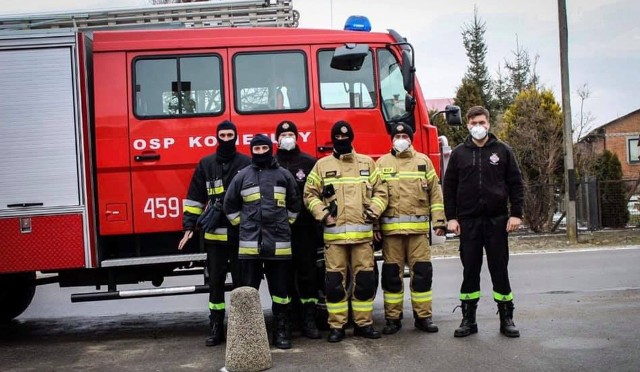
357	23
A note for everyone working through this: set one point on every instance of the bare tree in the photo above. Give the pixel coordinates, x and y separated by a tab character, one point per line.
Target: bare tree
584	120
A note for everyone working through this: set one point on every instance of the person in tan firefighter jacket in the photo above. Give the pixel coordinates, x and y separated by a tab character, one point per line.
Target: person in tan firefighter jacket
306	234
211	177
344	191
483	202
264	200
415	199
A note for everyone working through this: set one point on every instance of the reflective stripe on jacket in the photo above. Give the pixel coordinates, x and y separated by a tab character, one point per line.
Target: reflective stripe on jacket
207	184
358	187
264	201
415	196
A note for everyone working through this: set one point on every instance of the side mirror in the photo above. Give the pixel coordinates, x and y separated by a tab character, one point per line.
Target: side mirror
452	115
408	71
349	57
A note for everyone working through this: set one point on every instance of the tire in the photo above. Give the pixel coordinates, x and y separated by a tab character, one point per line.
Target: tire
16	293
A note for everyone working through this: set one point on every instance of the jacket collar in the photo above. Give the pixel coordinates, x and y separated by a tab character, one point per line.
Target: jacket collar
492	139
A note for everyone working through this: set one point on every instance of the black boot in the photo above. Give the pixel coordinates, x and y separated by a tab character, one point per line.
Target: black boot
216	322
366	331
282	331
426	325
309	328
507	327
336	335
392	326
468	325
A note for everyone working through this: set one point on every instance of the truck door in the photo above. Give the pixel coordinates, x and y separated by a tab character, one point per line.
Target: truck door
177	101
272	85
351	96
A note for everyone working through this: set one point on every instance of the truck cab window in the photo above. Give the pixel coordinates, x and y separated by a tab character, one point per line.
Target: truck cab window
346	89
270	82
177	86
391	86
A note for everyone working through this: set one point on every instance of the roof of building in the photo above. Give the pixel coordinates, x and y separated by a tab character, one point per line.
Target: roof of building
619	119
438	104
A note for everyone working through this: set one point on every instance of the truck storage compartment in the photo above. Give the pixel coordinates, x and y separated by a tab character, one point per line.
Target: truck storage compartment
38	139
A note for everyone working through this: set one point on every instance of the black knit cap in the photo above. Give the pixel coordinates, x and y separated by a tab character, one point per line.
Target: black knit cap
261	139
226	125
342	127
401	127
286	126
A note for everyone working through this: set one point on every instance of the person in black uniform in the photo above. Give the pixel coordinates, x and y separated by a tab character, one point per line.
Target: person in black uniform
264	199
211	178
481	181
306	233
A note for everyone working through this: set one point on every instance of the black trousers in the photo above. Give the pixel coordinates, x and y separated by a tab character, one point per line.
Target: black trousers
304	244
278	273
490	233
221	258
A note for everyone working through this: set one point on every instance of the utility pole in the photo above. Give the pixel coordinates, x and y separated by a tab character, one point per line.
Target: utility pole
569	171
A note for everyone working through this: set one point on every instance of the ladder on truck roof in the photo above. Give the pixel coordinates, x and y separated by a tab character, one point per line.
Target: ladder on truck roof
239	13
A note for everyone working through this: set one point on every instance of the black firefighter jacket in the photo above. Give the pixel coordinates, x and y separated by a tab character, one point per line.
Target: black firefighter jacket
264	201
300	165
482	181
209	181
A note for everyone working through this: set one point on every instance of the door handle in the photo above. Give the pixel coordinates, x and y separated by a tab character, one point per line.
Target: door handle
25	205
147	157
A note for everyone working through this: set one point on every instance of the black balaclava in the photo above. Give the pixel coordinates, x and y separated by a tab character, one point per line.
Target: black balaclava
262	160
341	147
226	149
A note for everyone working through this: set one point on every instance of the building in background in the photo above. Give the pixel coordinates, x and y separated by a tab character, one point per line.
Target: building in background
620	136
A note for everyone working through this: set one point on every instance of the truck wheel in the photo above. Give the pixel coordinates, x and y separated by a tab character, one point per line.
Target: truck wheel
16	293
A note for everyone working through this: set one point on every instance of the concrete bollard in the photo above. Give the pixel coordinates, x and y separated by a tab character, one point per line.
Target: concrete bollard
247	342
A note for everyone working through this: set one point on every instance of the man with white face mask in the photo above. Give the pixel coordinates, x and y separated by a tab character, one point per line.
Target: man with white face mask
306	233
481	181
415	199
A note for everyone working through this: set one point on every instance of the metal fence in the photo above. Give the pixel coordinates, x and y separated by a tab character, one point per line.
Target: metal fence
599	204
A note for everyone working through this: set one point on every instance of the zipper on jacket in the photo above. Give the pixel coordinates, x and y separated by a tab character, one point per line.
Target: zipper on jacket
260	242
480	166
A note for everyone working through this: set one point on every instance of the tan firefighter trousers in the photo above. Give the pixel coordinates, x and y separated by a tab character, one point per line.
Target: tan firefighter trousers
356	260
414	250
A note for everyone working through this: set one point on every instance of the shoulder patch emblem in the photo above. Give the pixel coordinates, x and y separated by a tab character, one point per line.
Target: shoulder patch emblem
388	170
330	174
364	172
281	203
494	159
300	174
422	168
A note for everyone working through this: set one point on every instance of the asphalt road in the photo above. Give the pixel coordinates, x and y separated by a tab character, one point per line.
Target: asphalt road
577	311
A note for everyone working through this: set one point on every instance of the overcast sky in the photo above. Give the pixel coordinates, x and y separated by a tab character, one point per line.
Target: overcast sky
604	39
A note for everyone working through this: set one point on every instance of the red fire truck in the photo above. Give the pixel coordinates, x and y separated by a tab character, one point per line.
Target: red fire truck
103	116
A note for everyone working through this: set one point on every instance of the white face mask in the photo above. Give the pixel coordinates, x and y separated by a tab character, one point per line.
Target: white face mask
401	144
287	143
478	132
